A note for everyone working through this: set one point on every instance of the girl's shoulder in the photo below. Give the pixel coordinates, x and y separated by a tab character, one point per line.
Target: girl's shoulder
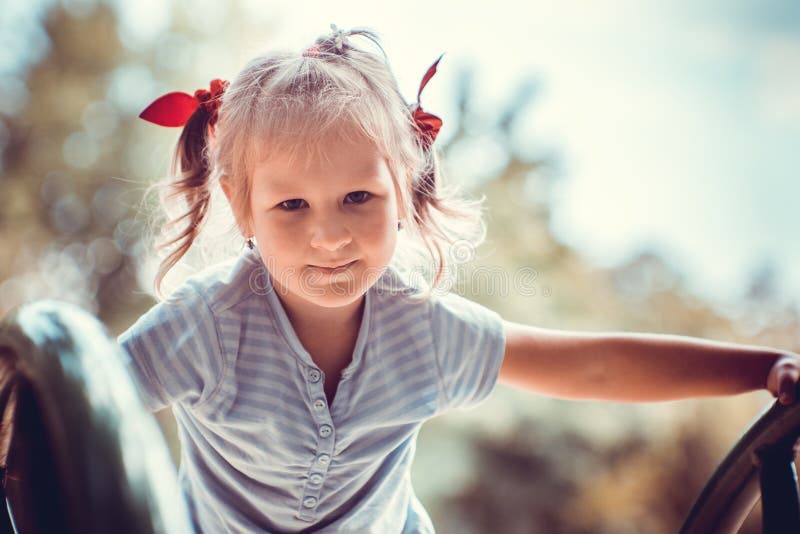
200	299
397	289
222	285
464	339
396	284
175	349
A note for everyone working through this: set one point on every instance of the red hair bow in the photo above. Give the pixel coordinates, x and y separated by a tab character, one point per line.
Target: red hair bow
174	109
427	123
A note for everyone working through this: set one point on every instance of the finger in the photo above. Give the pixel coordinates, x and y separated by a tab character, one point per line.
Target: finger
787	382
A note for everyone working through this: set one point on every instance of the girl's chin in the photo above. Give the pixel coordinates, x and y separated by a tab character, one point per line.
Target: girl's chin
333	297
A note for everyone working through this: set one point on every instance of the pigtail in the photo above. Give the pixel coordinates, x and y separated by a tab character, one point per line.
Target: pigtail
449	223
336	43
191	169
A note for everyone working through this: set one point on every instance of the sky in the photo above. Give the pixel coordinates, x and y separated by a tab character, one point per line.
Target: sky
677	124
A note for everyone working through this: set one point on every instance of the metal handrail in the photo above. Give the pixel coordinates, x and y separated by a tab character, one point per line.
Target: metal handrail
74	435
761	465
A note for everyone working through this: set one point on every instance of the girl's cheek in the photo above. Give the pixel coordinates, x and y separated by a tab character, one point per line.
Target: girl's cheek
278	223
275	232
377	224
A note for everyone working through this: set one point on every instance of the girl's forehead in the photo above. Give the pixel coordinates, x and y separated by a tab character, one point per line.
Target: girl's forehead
293	155
339	160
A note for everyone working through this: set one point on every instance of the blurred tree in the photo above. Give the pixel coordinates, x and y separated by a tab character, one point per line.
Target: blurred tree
546	474
66	228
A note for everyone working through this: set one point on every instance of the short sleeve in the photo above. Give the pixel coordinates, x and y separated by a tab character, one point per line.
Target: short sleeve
173	352
469	341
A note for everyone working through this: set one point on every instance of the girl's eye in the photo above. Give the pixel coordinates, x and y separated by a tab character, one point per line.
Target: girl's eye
290	205
357	197
360	196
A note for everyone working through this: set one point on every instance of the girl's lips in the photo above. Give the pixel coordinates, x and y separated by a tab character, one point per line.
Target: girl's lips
333	270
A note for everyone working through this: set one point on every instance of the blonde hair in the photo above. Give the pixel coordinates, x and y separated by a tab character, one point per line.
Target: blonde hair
296	102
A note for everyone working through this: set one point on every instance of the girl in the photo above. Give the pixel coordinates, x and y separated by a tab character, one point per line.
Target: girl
301	371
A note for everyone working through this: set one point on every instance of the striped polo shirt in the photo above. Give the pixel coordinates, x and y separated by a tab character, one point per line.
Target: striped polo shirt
261	450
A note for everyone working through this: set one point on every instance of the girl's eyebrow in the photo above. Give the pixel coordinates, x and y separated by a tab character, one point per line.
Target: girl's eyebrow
361	182
270	196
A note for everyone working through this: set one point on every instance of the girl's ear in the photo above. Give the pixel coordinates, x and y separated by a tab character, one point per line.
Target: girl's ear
241	220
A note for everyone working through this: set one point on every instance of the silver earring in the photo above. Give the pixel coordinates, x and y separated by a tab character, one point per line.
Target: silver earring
399	225
250	244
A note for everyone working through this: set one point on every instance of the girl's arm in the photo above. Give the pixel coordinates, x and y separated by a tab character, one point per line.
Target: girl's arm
641	367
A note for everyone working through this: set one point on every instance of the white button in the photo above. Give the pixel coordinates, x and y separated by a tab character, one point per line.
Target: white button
319	405
325	431
323	459
313	375
309	502
315	478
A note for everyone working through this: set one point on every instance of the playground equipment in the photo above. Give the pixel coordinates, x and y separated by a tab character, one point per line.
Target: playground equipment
78	452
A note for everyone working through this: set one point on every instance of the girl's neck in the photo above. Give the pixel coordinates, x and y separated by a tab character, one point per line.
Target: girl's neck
306	316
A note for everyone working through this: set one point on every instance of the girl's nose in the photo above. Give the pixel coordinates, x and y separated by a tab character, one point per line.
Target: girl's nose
331	233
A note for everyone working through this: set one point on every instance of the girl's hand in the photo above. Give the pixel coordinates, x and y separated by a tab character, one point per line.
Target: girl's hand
783	377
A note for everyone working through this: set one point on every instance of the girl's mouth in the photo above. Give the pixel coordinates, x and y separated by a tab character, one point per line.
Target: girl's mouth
333	270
